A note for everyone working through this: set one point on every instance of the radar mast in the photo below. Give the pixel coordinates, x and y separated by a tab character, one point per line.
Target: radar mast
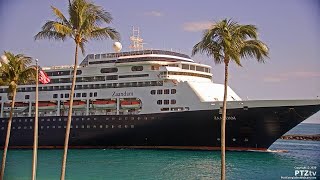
136	40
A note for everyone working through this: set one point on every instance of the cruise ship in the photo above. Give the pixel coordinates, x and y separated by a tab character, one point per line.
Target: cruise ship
153	99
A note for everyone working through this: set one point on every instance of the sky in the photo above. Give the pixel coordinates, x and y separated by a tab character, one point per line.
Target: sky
290	28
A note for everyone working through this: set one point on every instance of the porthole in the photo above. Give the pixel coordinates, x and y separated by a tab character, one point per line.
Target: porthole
234	139
137	68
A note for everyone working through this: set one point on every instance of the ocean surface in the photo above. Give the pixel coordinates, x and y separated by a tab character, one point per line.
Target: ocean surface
125	164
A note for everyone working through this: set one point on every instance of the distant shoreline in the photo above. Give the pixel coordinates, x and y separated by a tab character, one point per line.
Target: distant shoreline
314	137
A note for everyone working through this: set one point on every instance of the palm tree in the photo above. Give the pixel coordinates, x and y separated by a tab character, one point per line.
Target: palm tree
15	71
83	25
227	41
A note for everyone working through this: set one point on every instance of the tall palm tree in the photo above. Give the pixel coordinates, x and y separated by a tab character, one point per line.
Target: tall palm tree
227	41
15	71
84	24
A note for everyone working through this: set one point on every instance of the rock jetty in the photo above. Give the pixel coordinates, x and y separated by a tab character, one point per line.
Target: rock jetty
315	137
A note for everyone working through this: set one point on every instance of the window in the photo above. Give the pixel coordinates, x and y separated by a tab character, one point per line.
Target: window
159	91
185	66
61	95
159	102
153	92
109	70
166	91
173	101
192	67
164	109
66	95
91	94
84	94
199	68
166	101
112	77
55	95
137	68
78	95
173	91
95	94
27	96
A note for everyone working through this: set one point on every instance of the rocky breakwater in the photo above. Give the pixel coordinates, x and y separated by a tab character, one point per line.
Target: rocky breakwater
315	137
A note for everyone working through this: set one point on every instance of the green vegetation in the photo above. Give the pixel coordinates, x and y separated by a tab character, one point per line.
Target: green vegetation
15	71
82	26
227	41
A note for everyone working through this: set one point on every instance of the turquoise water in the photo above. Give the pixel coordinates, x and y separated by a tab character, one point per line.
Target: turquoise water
167	164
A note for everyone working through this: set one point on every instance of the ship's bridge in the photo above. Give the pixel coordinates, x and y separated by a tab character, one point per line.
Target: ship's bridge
135	56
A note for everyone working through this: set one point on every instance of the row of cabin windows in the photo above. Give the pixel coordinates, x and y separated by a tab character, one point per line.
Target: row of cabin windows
102	70
185	74
166	101
175	109
62	73
164	91
82	119
195	68
66	95
114	70
89	86
75	126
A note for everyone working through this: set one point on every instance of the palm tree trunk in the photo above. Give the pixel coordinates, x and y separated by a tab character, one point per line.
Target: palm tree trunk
35	135
8	134
66	140
223	124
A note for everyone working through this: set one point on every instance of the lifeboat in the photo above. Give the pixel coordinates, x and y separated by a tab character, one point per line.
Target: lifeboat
76	105
130	104
45	105
106	104
18	106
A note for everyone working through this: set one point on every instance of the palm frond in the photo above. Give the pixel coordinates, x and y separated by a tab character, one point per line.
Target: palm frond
104	33
51	35
254	49
60	16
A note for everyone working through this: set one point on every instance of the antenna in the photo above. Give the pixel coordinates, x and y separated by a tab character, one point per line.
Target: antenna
136	41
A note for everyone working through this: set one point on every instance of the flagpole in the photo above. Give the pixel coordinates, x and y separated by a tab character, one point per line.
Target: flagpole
35	136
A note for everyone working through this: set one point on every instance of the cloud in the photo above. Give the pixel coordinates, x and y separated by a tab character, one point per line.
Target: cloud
154	13
197	26
291	75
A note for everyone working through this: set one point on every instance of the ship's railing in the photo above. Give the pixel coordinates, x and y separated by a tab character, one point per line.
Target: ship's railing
59	67
131	53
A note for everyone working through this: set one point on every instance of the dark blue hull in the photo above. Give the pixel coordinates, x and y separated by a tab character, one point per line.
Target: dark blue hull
254	128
